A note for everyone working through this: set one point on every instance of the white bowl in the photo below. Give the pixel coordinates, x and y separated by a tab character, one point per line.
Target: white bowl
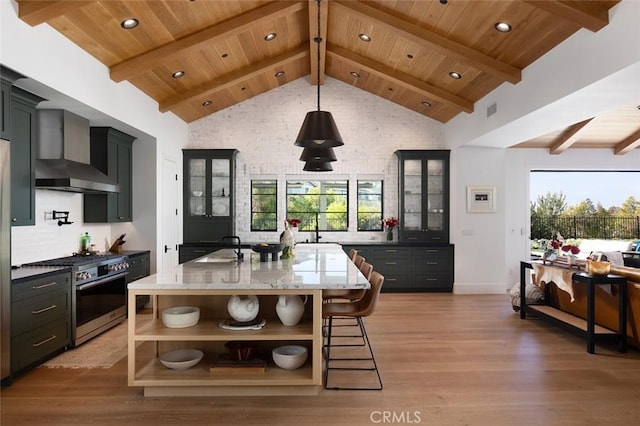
289	357
181	359
180	316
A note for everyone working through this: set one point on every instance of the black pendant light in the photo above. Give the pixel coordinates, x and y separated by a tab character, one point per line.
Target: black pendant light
318	154
317	166
318	129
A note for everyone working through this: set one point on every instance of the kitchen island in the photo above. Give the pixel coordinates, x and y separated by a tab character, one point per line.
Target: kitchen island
208	282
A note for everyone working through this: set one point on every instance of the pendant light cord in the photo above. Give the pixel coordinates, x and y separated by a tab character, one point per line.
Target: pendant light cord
318	40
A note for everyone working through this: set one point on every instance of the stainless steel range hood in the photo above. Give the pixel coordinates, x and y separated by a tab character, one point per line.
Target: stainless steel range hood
62	156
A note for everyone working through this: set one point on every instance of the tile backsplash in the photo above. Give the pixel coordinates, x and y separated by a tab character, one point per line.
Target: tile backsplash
47	240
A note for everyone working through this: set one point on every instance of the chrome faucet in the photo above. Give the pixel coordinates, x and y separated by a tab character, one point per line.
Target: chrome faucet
238	251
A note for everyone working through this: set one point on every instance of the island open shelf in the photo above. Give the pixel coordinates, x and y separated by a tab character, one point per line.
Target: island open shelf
146	370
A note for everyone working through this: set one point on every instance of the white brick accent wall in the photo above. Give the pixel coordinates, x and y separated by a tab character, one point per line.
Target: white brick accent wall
264	129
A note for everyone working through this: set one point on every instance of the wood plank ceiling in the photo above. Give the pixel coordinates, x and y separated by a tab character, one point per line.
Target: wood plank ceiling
222	50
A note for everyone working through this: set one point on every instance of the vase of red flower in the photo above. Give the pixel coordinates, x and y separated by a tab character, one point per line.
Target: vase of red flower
389	224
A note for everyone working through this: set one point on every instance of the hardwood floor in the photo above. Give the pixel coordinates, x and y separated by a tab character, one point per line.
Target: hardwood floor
444	359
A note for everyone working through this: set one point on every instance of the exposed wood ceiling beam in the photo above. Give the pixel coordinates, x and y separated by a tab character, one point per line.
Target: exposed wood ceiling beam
229	28
628	144
313	33
434	41
232	79
401	79
569	137
593	20
38	12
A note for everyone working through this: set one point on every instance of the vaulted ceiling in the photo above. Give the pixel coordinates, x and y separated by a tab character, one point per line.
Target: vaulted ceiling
223	55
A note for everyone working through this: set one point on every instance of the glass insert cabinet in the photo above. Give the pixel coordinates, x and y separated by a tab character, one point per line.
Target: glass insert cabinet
423	195
209	190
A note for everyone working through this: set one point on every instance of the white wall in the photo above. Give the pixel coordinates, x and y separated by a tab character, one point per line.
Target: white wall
61	71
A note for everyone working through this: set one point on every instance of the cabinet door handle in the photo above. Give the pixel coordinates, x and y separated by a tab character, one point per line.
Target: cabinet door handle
390	251
120	217
40	287
15	219
435	238
53	337
199	251
390	263
412	238
391	279
432	263
431	251
48	308
432	279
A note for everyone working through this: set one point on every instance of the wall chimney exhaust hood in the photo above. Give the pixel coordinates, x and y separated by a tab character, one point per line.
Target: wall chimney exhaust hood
62	156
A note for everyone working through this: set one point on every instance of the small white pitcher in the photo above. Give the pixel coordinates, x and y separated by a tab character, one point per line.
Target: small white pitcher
290	308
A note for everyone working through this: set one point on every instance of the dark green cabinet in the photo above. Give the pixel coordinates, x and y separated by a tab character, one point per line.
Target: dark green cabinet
208	194
5	115
111	153
40	319
23	139
410	267
423	195
139	267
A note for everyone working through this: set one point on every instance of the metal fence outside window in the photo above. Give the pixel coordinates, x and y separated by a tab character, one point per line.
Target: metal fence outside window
592	227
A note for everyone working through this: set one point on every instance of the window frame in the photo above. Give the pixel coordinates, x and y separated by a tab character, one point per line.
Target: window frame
253	206
381	197
309	218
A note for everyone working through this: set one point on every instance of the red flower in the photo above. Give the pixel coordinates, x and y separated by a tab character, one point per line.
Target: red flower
294	222
573	249
390	222
555	244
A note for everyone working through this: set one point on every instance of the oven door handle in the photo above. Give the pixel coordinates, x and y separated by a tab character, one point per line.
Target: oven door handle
100	281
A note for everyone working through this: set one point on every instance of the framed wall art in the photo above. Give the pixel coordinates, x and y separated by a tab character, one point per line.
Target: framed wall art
481	199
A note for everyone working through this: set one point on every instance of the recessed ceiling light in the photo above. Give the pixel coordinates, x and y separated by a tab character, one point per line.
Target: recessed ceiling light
354	74
455	75
129	23
390	89
243	88
206	103
502	27
177	74
270	36
364	37
279	73
426	104
224	55
410	56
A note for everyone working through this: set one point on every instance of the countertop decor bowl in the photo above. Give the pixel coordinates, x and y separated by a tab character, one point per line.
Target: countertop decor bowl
595	267
289	357
181	359
180	316
266	250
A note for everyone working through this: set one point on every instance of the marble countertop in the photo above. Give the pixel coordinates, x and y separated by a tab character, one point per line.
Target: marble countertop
315	267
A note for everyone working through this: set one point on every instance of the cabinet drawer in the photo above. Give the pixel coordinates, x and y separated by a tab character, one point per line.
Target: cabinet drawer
434	281
394	282
189	253
35	312
39	286
390	253
437	264
28	348
391	265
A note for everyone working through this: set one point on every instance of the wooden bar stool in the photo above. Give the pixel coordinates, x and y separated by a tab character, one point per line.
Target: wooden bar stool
358	309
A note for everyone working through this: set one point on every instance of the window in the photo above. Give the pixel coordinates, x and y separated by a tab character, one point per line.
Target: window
264	206
369	205
324	203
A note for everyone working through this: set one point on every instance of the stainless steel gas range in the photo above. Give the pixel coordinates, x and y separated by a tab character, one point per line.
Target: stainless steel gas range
100	297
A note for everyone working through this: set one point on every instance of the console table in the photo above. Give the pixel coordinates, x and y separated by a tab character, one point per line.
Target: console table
587	328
